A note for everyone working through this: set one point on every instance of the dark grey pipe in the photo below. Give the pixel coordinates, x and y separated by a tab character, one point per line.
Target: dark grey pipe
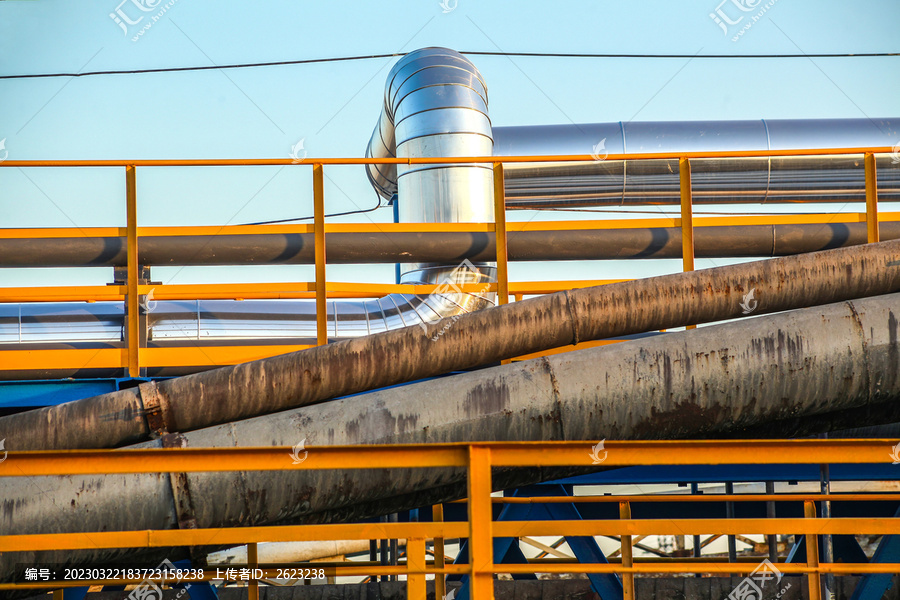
784	374
402	355
365	248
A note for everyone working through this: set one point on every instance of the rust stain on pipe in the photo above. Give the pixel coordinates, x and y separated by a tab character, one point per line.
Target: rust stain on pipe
475	339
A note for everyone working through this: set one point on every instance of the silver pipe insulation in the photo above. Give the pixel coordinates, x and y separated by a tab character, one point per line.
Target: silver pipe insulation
472	340
713	181
435	104
791	373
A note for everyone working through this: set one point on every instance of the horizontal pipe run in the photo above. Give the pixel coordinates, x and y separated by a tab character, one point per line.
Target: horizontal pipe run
453	247
408	354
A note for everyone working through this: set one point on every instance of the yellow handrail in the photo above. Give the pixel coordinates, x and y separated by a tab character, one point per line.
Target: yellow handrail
479	528
136	355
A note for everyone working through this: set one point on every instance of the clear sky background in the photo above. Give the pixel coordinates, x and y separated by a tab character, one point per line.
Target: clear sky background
263	112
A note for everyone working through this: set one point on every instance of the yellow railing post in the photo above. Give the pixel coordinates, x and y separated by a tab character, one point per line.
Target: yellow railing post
500	235
252	563
319	220
687	218
481	550
812	552
132	305
871	199
440	579
415	564
627	555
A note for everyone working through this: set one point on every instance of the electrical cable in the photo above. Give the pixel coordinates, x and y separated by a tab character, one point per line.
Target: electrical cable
471	52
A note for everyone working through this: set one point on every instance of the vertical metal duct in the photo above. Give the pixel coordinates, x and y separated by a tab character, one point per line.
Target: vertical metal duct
435	104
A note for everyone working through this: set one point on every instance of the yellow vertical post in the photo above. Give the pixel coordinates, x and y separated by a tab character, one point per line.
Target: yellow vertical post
871	199
252	563
500	236
500	233
58	594
812	552
415	564
440	580
687	214
131	299
481	551
319	220
627	556
687	218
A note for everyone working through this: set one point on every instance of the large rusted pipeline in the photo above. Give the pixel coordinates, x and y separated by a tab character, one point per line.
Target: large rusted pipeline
475	339
364	248
793	373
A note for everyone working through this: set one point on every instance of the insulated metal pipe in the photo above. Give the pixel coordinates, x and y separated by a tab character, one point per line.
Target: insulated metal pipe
714	181
453	247
786	374
552	321
435	104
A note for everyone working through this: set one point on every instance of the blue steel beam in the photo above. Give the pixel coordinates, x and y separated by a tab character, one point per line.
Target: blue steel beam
735	473
873	586
606	585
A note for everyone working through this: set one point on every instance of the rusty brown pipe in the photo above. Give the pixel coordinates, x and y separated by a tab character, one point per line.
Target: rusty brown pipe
778	375
472	340
369	248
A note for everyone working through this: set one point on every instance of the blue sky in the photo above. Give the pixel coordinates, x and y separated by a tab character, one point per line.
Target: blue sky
262	112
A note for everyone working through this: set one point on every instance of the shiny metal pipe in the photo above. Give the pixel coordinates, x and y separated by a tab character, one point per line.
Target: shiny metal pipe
435	104
229	320
722	180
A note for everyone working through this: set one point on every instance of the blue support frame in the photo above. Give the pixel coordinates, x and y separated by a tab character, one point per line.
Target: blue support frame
606	585
16	396
874	585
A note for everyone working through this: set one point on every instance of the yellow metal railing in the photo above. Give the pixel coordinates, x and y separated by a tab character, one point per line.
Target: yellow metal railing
134	357
480	528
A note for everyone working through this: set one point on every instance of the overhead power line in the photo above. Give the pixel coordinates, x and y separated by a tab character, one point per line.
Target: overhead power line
473	53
